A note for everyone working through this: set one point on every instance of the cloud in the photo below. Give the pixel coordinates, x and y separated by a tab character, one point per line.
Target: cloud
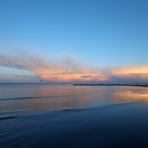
129	74
69	70
129	70
66	70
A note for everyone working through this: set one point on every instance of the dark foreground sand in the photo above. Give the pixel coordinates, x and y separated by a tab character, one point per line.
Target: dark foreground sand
116	126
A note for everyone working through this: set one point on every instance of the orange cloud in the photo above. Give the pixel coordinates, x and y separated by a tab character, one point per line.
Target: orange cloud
69	70
57	71
130	70
62	73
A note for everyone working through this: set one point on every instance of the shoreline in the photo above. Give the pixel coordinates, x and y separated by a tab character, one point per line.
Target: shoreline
83	84
138	85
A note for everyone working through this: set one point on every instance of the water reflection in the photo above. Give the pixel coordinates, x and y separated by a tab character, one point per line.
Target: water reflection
131	94
57	97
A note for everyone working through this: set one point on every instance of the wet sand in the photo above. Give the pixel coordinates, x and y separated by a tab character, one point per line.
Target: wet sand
113	126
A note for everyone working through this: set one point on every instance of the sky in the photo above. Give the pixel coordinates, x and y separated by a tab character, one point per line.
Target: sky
74	41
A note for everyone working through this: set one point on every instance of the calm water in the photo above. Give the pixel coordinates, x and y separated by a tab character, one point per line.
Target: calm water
114	126
44	97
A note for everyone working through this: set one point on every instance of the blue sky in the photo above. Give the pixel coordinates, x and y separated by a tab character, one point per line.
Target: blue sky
101	33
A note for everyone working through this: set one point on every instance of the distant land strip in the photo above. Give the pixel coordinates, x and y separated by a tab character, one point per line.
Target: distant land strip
140	85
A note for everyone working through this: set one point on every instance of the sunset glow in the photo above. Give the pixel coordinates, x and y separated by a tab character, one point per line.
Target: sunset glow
73	41
71	71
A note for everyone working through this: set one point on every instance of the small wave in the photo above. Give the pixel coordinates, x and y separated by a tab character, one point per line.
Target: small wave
25	98
37	97
7	117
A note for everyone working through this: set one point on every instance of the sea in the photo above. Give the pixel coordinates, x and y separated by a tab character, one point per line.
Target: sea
67	116
35	98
